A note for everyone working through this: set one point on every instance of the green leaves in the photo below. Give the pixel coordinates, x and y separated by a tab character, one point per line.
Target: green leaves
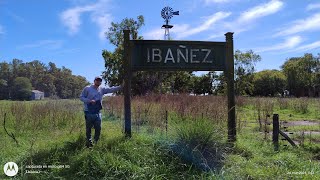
302	74
269	82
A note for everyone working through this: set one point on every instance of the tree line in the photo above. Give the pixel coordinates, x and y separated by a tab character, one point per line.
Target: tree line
300	76
17	79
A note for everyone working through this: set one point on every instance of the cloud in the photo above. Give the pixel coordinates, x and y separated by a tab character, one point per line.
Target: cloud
156	34
15	16
71	17
207	24
103	21
313	6
185	30
311	23
307	47
260	11
98	11
245	20
289	43
48	44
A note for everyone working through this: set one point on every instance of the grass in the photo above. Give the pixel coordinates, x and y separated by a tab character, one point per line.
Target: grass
193	147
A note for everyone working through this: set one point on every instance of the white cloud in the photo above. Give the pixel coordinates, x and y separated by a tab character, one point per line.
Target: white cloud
261	11
48	44
245	20
71	18
308	47
15	16
180	31
313	6
242	23
207	24
289	43
103	21
158	33
311	23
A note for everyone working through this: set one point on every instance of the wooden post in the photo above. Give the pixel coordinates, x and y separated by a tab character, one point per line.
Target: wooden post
230	87
166	122
127	83
275	133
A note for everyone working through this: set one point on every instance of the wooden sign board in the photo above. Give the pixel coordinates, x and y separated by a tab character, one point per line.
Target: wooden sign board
144	55
178	55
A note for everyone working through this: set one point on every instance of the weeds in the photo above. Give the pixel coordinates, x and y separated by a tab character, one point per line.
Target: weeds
300	105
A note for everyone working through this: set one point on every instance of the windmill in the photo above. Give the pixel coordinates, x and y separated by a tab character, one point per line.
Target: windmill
167	13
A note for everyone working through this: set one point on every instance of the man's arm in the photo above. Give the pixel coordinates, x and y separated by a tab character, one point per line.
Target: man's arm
111	89
84	95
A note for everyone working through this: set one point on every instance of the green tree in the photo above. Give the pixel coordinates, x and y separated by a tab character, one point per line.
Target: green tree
21	89
204	84
269	83
4	78
302	74
142	82
179	81
49	79
114	73
244	68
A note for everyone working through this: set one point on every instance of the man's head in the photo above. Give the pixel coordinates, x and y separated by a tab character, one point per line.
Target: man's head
97	81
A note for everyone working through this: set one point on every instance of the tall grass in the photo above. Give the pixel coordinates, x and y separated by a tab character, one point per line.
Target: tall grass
300	105
151	110
52	132
42	115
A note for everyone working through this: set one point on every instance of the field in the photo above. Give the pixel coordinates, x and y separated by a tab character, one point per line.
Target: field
174	137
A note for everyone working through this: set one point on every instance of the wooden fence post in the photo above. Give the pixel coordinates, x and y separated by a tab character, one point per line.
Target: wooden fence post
230	88
275	134
127	84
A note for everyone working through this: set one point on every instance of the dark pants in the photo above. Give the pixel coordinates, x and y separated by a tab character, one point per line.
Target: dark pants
93	120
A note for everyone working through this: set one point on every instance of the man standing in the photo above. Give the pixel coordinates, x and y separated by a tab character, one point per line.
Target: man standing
91	96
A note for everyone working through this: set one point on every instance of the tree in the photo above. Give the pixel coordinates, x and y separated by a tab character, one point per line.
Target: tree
244	68
49	79
113	60
269	83
21	89
203	84
4	78
302	73
142	82
179	81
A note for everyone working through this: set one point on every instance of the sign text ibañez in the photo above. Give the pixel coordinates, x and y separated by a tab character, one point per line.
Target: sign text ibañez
178	55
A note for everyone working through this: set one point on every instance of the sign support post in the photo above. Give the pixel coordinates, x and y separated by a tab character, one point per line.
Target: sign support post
230	87
127	83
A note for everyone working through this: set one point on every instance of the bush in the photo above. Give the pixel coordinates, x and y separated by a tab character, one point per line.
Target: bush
199	143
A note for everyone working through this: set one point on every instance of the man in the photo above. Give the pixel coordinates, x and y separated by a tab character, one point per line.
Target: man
91	96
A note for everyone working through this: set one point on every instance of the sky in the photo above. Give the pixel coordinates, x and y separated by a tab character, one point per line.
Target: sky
71	33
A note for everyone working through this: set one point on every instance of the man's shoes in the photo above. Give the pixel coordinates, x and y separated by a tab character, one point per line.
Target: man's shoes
89	144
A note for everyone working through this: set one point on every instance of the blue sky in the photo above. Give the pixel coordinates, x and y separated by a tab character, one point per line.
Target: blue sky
70	33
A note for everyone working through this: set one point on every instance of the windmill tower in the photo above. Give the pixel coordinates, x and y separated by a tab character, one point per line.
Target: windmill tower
167	13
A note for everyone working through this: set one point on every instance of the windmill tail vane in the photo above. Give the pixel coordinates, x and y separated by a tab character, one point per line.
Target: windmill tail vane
175	13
